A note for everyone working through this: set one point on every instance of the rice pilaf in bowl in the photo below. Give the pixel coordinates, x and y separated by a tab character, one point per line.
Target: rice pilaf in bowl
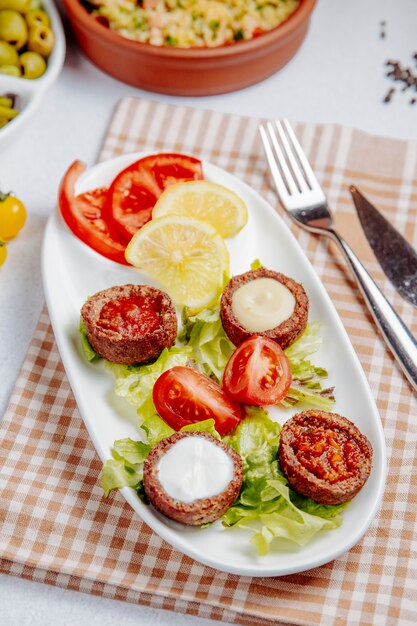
212	48
191	23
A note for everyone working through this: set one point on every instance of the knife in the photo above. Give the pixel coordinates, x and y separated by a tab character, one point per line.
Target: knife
395	255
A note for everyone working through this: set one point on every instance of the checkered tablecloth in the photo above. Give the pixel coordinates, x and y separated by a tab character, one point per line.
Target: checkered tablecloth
56	527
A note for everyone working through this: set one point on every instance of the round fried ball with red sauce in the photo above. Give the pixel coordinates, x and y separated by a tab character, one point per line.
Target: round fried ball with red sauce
324	456
285	333
130	323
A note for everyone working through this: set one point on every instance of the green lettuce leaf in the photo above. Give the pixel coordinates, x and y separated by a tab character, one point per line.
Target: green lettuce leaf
308	343
266	505
207	426
117	473
156	429
132	452
204	334
255	265
88	350
306	388
135	382
125	468
256	438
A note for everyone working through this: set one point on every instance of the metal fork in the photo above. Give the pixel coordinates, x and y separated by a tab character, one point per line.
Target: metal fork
302	197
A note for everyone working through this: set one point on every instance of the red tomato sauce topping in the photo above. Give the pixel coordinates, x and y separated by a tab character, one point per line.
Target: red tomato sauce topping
331	454
134	316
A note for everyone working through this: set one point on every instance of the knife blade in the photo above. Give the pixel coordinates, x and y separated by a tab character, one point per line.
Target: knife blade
395	255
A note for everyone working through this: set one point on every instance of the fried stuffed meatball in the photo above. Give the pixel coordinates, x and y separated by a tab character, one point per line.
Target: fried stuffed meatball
192	477
130	323
324	456
264	302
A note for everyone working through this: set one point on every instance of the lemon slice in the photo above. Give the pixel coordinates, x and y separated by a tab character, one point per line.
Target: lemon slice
213	203
186	256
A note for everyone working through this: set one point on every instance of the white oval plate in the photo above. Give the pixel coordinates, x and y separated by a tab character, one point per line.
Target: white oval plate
72	272
30	93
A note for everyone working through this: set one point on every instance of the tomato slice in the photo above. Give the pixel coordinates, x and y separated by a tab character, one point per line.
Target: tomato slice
258	372
135	190
184	396
84	216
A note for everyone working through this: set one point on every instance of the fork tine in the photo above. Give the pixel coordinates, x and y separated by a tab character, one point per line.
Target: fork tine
273	167
309	174
283	170
288	150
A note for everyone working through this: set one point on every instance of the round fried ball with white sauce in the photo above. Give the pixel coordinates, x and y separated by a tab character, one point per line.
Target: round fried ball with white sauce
264	302
192	477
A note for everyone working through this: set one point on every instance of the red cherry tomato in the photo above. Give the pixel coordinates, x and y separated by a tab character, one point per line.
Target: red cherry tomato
184	396
258	372
134	191
83	215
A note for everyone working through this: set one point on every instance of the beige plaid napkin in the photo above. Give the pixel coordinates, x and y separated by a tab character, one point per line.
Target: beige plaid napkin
55	526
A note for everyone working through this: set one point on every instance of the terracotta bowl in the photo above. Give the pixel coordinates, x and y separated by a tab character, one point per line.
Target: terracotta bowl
190	71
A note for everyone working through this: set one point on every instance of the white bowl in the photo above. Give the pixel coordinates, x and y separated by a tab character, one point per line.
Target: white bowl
30	93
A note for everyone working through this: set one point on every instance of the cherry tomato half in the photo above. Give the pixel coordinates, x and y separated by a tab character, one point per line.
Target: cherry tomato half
83	215
12	216
184	396
134	192
258	372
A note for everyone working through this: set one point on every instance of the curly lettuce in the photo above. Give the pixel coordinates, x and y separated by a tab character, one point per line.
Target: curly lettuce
204	334
135	382
88	350
267	506
211	349
306	387
125	468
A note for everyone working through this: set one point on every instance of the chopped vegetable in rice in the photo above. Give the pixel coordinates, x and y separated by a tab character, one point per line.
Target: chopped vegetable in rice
192	23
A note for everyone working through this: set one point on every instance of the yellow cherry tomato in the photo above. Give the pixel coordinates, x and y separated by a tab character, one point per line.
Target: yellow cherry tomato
3	252
12	216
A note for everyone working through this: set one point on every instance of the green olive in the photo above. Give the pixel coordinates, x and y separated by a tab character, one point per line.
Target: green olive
41	39
33	65
10	70
8	54
18	5
37	17
13	28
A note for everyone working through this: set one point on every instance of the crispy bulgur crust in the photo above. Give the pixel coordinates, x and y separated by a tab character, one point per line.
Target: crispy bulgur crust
201	511
285	333
305	482
116	346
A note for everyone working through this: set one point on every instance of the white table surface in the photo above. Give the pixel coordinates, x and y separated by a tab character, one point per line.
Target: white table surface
337	76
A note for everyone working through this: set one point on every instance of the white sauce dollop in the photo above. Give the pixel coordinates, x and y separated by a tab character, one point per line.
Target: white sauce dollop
262	304
194	468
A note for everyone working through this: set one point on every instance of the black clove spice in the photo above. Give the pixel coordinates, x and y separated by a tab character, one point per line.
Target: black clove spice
403	75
